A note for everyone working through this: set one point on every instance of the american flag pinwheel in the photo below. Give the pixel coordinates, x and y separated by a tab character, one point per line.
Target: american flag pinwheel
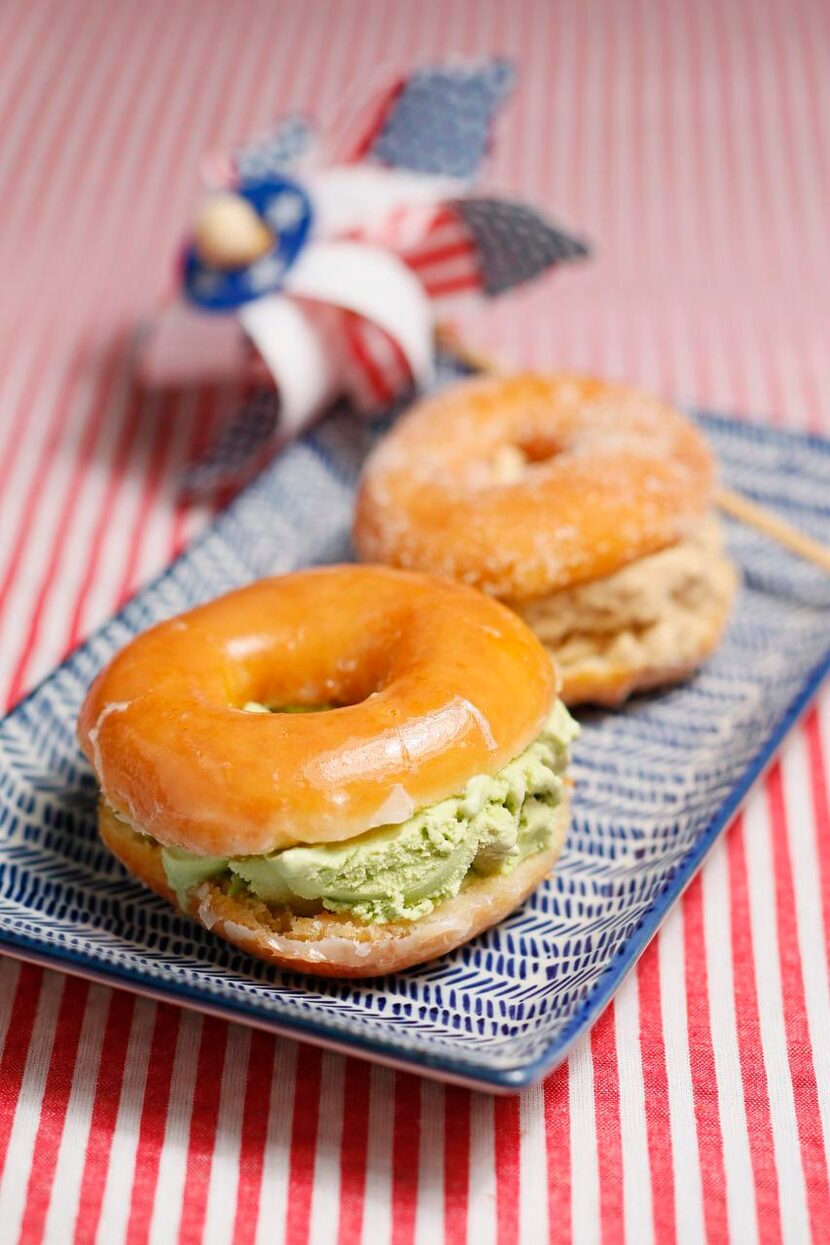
363	239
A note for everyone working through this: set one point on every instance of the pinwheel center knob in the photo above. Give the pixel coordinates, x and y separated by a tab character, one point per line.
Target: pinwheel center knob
229	233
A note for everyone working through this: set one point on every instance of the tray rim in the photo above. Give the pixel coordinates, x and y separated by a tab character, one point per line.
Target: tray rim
503	1079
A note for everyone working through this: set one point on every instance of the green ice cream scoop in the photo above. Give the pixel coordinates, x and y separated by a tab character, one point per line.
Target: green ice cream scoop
400	872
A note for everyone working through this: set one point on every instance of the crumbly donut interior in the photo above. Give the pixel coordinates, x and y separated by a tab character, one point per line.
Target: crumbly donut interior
332	944
661	612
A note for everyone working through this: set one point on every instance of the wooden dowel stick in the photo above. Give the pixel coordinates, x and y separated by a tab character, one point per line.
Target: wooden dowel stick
763	520
727	500
449	338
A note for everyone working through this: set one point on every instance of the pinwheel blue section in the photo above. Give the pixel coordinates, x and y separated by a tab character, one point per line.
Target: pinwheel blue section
514	243
439	120
278	151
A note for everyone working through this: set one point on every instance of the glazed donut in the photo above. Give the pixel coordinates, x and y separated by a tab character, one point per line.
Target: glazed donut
530	487
423	759
424	673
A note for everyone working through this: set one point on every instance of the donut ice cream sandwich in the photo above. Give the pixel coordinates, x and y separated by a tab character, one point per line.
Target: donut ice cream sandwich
344	771
585	506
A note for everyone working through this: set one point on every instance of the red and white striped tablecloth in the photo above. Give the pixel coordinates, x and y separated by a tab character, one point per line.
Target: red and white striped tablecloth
691	142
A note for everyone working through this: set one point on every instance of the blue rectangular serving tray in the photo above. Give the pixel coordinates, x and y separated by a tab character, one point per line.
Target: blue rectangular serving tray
655	785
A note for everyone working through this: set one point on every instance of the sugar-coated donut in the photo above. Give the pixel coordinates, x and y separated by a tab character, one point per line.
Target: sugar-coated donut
605	475
538	488
420	802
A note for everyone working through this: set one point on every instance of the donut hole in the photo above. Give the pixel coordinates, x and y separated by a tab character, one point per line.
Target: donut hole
311	667
284	706
256	706
512	460
538	448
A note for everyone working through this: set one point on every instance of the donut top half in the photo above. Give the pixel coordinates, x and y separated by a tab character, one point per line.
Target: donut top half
431	683
527	485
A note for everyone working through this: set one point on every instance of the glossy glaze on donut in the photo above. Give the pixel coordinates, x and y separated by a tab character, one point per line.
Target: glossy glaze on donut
601	475
436	683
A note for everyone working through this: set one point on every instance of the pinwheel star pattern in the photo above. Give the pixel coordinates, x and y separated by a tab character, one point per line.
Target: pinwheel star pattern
374	231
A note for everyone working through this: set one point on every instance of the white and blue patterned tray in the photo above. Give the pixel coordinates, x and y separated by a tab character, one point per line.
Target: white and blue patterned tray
655	786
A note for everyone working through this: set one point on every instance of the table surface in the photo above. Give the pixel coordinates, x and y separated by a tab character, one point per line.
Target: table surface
691	142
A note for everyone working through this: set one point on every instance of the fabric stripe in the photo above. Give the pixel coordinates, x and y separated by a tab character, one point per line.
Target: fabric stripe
162	1215
122	1174
457	1109
9	980
811	1170
557	1129
333	1119
66	517
303	1145
704	1076
609	1142
377	1218
813	925
108	520
686	1174
656	1112
36	128
32	1088
152	1127
405	1157
110	1075
429	1213
204	1116
482	1220
64	146
585	1174
254	1135
222	1196
634	1141
15	1049
507	1128
24	50
761	885
71	1140
756	1090
275	1176
740	1189
36	478
533	1192
354	1144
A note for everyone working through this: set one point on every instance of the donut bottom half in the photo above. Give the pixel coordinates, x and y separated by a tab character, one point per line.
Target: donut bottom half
330	944
649	625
